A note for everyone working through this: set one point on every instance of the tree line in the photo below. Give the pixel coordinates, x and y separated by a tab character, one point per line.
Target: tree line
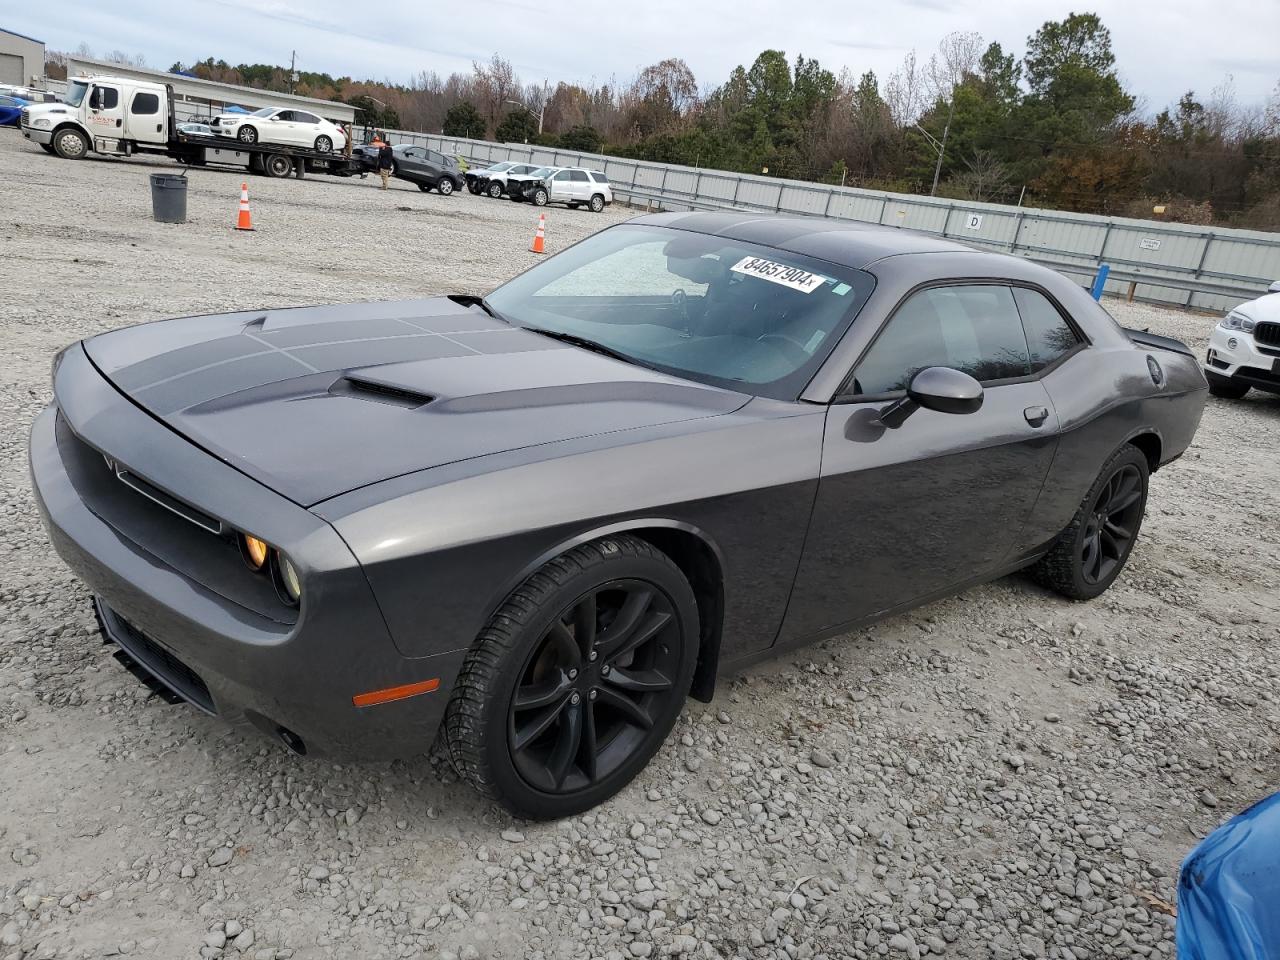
1053	128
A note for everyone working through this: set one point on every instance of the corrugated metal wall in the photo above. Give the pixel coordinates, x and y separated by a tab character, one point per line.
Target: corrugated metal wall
1210	268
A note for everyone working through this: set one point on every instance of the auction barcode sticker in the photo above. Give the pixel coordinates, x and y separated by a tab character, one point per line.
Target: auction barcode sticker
792	277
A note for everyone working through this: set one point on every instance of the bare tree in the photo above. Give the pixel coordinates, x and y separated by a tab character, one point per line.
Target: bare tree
495	83
957	57
904	91
984	177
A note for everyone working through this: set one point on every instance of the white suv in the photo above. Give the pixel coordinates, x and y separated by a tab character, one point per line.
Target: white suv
572	186
1244	348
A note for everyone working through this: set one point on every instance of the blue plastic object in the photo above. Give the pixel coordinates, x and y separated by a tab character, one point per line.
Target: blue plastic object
1229	890
1100	281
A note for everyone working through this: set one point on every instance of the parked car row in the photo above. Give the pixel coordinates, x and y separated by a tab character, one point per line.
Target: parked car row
573	186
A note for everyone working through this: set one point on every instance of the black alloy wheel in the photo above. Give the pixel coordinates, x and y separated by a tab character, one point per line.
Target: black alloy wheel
1112	525
576	680
1093	550
591	687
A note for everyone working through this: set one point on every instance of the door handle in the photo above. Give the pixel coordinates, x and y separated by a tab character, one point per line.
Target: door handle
1036	416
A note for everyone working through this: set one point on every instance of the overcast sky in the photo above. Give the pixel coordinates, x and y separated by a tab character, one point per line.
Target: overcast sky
1162	48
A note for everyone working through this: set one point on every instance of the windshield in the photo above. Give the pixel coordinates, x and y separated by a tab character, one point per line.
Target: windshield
738	315
264	112
75	93
502	167
542	171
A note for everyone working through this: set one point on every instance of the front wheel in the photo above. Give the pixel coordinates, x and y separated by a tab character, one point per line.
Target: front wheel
540	197
323	145
1225	387
1092	551
445	186
576	680
70	144
247	134
495	190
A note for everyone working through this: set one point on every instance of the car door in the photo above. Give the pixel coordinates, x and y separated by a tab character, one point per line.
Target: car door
580	185
145	122
561	187
906	513
306	127
106	110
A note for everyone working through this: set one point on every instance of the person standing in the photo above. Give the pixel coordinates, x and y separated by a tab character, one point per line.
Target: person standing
386	160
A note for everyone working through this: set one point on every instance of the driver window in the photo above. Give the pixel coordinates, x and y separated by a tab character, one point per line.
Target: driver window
105	98
562	176
638	270
975	329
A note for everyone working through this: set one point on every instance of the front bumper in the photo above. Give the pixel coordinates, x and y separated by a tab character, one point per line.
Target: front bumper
227	657
1236	356
38	136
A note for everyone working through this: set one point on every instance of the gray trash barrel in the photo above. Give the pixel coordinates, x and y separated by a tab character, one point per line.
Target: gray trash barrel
168	198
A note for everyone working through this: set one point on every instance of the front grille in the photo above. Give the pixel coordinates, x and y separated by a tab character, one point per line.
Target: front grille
1267	334
154	660
25	117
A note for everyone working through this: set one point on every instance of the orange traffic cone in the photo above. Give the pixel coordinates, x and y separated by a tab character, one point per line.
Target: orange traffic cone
540	238
244	221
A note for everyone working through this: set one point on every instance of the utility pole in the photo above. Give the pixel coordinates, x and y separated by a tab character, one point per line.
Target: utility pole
293	72
942	147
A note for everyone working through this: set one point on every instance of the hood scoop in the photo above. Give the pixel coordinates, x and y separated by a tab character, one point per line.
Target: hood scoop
361	388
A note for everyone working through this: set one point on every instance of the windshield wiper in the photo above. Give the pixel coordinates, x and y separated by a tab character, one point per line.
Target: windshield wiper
585	344
470	300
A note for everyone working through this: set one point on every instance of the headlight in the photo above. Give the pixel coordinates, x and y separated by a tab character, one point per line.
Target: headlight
42	123
287	580
1237	321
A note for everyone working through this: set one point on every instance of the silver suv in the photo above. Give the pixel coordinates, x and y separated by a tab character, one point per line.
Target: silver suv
493	180
572	186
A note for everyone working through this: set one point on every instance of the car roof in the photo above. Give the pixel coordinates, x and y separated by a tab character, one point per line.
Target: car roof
846	242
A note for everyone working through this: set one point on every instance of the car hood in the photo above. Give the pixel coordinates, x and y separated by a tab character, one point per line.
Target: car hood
317	401
1266	309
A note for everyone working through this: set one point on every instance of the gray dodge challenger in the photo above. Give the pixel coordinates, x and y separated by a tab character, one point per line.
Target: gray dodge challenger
533	523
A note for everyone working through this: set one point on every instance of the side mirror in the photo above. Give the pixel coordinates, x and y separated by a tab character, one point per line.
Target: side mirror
274	116
935	388
1274	288
95	99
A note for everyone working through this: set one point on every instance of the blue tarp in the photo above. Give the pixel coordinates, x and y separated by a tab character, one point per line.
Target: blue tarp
232	108
1229	890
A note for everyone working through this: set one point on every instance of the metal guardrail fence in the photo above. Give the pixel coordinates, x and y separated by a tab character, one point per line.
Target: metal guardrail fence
1207	268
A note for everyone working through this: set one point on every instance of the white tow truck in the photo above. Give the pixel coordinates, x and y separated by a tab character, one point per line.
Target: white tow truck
117	116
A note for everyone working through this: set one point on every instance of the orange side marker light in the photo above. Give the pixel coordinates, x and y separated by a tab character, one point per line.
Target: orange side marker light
374	697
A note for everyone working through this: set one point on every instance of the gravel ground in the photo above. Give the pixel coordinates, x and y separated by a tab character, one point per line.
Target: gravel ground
1002	774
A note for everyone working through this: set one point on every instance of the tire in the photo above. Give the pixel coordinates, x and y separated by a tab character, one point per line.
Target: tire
519	681
324	145
424	187
70	144
48	148
540	197
1091	552
1225	387
473	187
277	165
495	190
597	203
247	134
445	186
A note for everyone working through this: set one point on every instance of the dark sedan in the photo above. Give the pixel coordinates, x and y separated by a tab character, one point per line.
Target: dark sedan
537	522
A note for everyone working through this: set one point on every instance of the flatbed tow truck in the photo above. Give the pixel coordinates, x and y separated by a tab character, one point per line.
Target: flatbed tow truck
115	116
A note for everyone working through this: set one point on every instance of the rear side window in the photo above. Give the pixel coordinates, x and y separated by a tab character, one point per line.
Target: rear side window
300	117
973	328
145	103
599	177
1049	336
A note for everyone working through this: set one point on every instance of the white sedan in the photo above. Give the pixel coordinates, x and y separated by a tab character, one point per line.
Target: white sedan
295	128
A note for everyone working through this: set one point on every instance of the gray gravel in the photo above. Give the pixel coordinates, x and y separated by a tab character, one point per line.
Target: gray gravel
1002	774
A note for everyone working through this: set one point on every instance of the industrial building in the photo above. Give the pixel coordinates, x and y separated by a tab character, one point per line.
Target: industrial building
21	59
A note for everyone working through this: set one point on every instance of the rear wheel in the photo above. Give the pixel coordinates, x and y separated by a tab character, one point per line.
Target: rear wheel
277	165
247	134
323	145
445	186
1094	549
1225	387
597	203
577	679
70	144
495	190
